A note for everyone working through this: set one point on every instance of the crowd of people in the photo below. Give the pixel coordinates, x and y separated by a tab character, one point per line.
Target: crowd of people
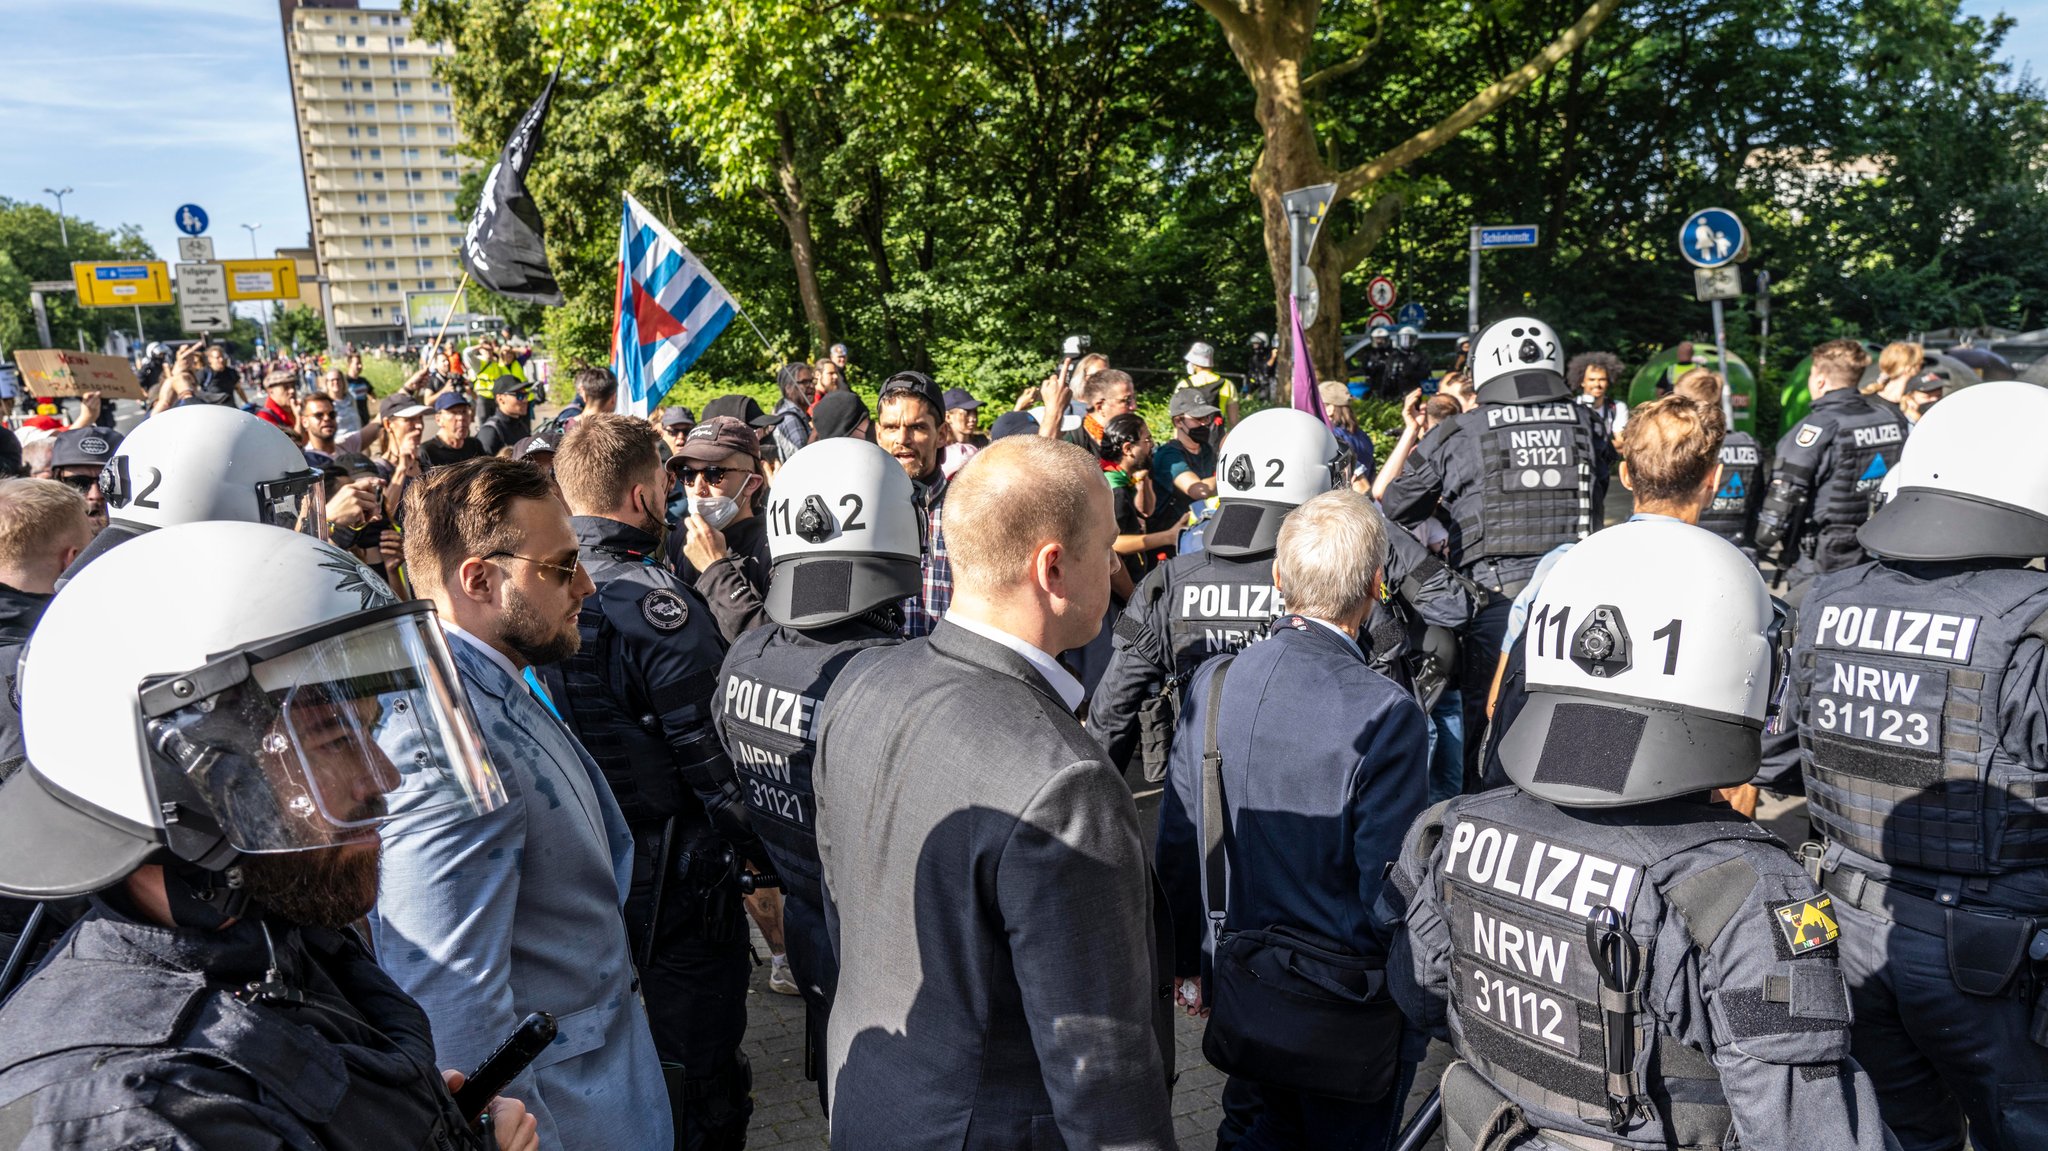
486	715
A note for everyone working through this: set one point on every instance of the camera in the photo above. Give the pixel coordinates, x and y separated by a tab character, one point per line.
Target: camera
1075	346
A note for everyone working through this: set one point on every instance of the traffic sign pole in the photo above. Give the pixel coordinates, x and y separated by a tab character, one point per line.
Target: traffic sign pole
1472	293
1721	361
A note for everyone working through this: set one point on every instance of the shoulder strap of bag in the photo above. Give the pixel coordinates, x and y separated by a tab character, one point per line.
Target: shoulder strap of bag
1212	797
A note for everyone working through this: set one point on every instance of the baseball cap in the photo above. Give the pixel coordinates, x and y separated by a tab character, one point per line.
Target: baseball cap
961	398
1013	424
838	414
447	400
400	406
743	408
917	384
94	446
508	385
715	439
532	446
678	417
1191	403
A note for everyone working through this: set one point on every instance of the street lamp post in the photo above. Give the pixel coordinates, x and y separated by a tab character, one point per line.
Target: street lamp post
63	233
254	254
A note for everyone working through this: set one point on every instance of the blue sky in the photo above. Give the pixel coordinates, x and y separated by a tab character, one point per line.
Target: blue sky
143	105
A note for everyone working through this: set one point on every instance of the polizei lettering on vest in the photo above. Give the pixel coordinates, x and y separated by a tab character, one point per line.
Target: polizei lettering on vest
772	708
1936	635
1881	434
1229	601
1498	414
1548	874
1739	455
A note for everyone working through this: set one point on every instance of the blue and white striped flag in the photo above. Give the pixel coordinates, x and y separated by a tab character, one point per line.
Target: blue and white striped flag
667	311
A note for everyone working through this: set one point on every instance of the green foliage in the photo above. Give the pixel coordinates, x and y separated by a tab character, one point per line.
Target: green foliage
32	248
300	327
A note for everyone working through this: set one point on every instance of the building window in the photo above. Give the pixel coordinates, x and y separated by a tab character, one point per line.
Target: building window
398	41
355	20
348	108
405	85
443	131
342	42
376	153
437	86
381	197
377	177
426	263
377	20
386	243
409	131
363	62
419	221
364	221
376	313
440	109
447	197
405	110
391	265
403	66
392	286
454	219
361	41
370	131
383	221
428	285
369	110
362	198
448	175
355	153
447	153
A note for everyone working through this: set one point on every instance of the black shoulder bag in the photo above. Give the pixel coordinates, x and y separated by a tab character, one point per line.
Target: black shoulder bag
1288	1007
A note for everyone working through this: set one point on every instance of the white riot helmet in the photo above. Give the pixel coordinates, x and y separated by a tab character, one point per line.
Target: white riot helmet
1519	361
1201	355
1972	482
1379	335
1406	336
845	529
1273	461
202	462
297	706
1652	661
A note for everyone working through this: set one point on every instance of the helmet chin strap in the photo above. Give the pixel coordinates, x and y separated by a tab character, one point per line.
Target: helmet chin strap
204	899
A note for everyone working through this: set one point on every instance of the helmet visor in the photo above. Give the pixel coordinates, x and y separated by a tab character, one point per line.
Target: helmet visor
335	741
294	502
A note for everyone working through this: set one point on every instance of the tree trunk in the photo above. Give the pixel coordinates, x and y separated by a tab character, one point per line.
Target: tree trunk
795	212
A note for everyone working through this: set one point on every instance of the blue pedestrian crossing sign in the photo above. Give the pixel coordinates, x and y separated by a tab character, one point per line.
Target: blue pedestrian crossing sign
1412	315
191	219
1713	238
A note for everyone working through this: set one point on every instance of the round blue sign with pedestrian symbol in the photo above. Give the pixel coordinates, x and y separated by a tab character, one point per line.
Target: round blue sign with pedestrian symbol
1712	238
1412	315
191	219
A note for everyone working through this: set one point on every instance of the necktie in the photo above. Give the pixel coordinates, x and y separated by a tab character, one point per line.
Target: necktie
540	693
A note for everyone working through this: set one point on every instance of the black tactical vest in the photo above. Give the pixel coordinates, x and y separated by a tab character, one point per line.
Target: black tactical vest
1868	438
1215	605
1898	681
1727	515
618	725
1520	879
1535	485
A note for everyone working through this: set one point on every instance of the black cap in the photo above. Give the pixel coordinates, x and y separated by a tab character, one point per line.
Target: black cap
677	417
508	384
715	439
82	446
740	407
917	384
1013	424
838	414
961	398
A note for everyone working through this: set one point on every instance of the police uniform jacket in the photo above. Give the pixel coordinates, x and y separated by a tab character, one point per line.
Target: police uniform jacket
735	587
1828	469
1325	764
135	1035
992	909
640	690
1739	1004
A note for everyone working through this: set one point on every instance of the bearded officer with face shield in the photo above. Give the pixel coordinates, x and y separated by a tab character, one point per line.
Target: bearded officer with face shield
1619	961
843	526
639	693
1519	475
1920	682
219	781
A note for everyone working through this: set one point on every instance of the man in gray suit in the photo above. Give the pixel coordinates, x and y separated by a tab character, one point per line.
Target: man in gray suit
989	896
520	910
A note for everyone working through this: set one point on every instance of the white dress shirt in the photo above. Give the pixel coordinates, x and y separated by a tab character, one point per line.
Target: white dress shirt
1062	682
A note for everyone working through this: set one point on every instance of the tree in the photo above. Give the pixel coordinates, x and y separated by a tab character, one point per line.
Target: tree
32	245
1275	43
299	329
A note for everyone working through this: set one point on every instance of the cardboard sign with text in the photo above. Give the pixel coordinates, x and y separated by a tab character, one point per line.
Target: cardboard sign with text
59	373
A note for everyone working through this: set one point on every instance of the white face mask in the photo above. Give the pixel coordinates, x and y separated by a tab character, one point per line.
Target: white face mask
717	511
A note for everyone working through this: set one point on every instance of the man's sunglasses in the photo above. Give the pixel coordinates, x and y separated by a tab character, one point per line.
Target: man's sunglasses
713	475
554	572
83	484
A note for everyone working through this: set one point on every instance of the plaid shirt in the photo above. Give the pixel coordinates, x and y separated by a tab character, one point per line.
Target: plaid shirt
922	612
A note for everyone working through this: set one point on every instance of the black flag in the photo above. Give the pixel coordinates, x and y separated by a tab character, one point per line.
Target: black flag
504	249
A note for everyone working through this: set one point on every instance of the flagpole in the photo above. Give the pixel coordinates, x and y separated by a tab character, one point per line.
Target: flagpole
435	348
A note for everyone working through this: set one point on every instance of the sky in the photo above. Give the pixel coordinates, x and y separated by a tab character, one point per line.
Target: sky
142	105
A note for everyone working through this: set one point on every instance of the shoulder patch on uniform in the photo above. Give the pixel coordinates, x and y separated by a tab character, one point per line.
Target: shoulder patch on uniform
1809	435
664	609
1807	923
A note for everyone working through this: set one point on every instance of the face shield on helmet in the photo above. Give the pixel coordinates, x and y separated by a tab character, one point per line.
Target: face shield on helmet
297	502
329	736
1406	337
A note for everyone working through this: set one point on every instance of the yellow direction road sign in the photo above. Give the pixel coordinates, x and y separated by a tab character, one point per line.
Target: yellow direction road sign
120	283
262	279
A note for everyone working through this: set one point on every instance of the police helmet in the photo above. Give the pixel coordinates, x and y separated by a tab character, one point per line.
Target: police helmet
1971	483
1261	340
845	532
1201	355
296	707
1519	360
1273	461
1379	334
203	462
1406	336
1652	659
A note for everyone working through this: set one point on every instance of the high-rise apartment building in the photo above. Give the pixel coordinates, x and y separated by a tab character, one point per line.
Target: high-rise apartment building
377	142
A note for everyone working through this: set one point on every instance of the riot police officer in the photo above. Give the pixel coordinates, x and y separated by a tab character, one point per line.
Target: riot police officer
1519	474
1731	514
1218	599
1375	363
1828	471
639	694
1618	961
1919	680
215	781
843	531
1408	366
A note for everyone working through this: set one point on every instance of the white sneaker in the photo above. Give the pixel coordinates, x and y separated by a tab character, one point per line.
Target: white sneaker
780	981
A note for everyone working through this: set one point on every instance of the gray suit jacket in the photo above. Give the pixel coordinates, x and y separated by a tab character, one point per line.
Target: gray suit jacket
991	906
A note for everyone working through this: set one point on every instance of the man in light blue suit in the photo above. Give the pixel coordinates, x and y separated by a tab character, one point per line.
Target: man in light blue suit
521	910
